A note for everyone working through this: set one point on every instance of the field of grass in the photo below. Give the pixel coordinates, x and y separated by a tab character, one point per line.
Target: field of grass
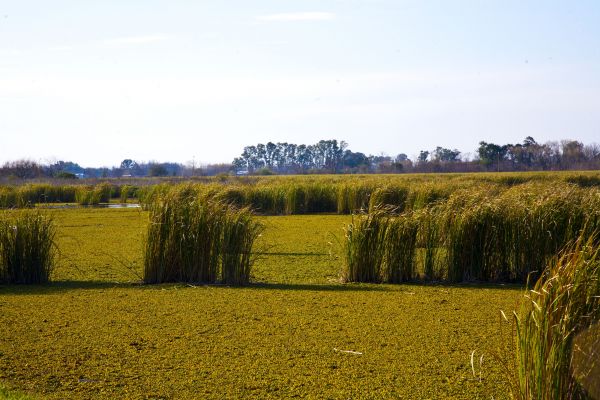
295	332
291	194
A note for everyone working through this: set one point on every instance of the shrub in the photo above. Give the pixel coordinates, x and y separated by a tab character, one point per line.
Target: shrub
65	175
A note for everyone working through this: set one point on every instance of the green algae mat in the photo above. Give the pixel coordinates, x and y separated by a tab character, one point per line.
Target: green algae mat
295	332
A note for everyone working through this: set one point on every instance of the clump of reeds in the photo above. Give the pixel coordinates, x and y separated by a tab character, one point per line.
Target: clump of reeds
92	195
267	200
240	231
394	196
365	246
46	193
8	197
429	243
354	196
194	239
86	195
564	302
485	234
125	192
400	249
310	198
27	247
473	237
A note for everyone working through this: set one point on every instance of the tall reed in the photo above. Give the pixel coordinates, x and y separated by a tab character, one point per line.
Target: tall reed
564	302
27	249
240	231
480	234
92	195
389	195
429	242
365	246
400	250
194	239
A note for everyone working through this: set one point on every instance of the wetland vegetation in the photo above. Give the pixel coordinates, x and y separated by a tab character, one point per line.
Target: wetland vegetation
462	246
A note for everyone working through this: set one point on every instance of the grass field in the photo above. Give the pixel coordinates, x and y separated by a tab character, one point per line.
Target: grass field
296	332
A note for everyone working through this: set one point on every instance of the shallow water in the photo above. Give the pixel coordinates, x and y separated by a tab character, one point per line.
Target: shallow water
101	205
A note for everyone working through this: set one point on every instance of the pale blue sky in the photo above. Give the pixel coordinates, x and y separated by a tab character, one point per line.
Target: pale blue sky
97	82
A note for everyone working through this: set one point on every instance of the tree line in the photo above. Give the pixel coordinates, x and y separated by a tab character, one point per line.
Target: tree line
333	156
28	169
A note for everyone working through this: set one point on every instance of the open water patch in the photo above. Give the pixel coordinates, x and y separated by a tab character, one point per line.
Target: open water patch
101	205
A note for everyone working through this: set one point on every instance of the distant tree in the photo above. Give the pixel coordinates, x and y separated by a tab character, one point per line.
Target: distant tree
355	161
492	153
401	157
441	154
572	152
270	155
24	169
592	152
526	155
402	160
327	154
423	156
304	157
128	163
62	166
240	164
156	170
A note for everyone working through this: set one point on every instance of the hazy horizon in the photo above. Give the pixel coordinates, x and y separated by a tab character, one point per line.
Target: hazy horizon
176	81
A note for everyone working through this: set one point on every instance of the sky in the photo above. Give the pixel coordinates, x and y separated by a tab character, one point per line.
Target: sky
98	82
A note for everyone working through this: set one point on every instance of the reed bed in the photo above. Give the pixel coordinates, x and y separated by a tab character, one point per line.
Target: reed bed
92	195
194	239
480	234
31	194
563	304
27	249
274	195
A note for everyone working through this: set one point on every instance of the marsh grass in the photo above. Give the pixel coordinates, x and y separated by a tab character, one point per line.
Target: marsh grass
239	233
400	250
194	239
86	195
390	195
475	235
92	195
563	303
27	250
277	195
365	239
31	194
